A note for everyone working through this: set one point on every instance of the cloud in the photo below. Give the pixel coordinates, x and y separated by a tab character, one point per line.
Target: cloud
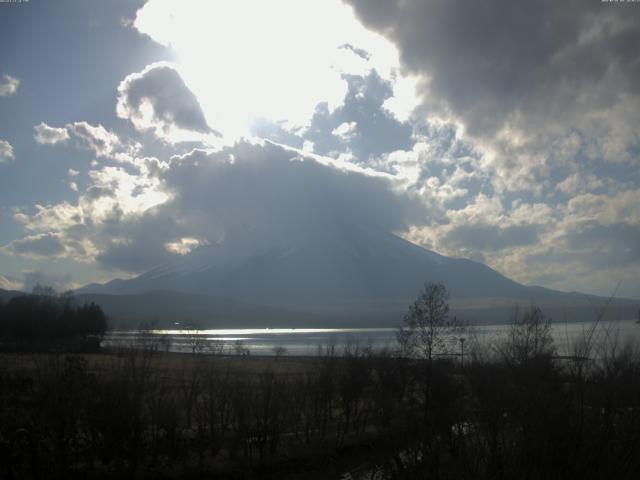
51	217
586	243
8	86
488	238
6	151
158	99
362	126
346	130
37	246
583	254
239	199
605	208
60	283
523	151
102	142
117	193
461	52
247	60
44	134
9	283
534	87
184	245
95	138
607	246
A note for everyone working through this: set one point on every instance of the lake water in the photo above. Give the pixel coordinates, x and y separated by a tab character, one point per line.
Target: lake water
307	341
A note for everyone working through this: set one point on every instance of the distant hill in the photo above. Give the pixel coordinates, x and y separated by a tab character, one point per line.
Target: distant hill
178	309
339	275
6	295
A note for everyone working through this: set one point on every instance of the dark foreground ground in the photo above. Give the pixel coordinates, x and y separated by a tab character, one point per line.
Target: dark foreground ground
144	414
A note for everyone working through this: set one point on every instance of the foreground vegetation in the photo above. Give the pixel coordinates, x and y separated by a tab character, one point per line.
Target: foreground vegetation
144	414
515	410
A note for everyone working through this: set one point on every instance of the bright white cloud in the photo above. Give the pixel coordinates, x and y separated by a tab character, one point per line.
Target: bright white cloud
308	146
6	151
278	60
44	134
51	218
346	131
116	192
10	284
403	102
8	86
81	230
184	245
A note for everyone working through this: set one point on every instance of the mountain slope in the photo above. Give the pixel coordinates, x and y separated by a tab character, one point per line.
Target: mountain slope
6	295
358	267
342	275
169	309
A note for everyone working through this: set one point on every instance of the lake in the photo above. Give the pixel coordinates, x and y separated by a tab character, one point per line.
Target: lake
307	341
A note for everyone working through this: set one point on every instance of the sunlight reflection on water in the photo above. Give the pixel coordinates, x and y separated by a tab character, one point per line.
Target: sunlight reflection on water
306	341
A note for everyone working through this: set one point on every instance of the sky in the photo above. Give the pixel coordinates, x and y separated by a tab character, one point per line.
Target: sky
133	132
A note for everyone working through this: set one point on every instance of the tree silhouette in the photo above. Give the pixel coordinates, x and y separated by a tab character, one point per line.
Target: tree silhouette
44	319
529	337
427	327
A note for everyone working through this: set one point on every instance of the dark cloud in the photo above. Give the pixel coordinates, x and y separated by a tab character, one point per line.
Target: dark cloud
157	98
278	189
376	131
133	257
41	245
251	196
490	60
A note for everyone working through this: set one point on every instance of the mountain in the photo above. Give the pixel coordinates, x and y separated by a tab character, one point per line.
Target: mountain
348	275
180	310
6	295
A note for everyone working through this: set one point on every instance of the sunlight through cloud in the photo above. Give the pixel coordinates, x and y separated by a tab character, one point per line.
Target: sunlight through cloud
277	60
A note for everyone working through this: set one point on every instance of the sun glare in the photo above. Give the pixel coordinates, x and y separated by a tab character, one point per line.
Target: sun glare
277	60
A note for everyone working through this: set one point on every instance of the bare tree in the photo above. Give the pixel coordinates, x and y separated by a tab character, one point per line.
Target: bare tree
427	328
529	337
240	348
194	338
279	351
165	341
